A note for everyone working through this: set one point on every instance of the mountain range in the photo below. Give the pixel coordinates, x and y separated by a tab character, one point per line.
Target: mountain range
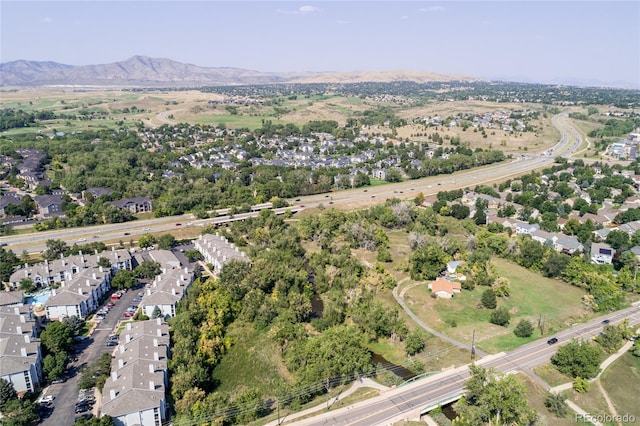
159	72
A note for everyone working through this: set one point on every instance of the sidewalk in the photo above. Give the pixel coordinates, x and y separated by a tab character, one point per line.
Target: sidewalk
362	383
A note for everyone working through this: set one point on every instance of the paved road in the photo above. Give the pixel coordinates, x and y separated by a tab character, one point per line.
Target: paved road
36	241
432	390
67	393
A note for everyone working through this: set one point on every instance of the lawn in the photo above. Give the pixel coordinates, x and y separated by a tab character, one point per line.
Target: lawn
533	297
252	361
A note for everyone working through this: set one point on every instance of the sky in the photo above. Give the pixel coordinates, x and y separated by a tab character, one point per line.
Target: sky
571	42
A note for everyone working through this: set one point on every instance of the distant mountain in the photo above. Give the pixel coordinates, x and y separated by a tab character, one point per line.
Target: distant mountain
145	71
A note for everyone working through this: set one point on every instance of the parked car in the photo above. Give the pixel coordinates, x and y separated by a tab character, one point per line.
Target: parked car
82	408
114	337
48	398
127	315
112	343
57	381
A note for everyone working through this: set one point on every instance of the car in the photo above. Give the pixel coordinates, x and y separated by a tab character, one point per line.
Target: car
110	304
141	293
114	337
137	299
330	202
189	223
552	341
95	237
146	229
297	199
178	224
127	233
82	240
111	343
605	322
48	398
82	408
58	381
127	315
366	190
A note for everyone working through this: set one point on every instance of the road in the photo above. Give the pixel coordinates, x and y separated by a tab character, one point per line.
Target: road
36	241
434	389
348	199
67	393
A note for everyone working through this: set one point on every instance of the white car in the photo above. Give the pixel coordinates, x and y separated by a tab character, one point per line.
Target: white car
82	240
48	398
146	229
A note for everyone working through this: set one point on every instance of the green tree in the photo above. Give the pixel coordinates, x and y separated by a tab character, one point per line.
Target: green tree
427	262
27	285
166	241
53	366
57	337
7	393
148	269
493	399
77	325
7	259
104	262
146	241
20	412
124	279
157	312
500	317
489	299
610	339
193	255
414	343
581	385
523	329
578	359
55	248
555	403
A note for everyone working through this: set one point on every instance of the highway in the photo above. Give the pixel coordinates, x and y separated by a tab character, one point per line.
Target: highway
347	199
430	391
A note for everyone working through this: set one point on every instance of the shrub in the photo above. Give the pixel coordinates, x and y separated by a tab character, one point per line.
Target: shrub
523	329
500	317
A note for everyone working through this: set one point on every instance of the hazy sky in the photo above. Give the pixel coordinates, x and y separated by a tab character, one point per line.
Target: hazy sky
567	41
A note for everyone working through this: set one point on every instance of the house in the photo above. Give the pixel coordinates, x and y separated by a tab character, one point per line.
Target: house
49	205
134	205
444	288
602	253
96	192
523	228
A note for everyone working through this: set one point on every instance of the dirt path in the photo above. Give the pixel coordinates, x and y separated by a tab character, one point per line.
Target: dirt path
612	408
400	299
163	116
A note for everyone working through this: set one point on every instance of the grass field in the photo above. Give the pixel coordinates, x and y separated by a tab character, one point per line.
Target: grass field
622	382
532	296
535	399
253	360
551	375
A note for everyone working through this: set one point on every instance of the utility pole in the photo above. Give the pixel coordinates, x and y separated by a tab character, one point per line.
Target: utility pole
278	407
473	346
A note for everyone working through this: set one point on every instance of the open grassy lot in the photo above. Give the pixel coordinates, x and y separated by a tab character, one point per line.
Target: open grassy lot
252	359
622	382
551	375
535	399
532	296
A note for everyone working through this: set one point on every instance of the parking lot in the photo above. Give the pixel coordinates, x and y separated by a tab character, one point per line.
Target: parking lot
68	403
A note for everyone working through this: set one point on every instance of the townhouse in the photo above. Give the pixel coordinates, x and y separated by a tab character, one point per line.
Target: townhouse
217	251
20	351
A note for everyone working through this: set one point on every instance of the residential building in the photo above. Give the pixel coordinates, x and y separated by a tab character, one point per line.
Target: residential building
217	251
166	290
20	352
602	253
134	205
135	393
444	288
80	295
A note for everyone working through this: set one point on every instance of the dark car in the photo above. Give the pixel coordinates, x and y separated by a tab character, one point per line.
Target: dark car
605	322
552	341
111	343
86	416
82	408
